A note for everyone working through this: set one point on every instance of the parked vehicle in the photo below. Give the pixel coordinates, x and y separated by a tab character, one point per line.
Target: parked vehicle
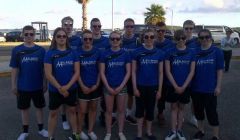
14	36
218	32
2	37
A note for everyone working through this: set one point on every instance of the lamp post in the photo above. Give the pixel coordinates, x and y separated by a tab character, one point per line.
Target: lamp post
112	15
171	17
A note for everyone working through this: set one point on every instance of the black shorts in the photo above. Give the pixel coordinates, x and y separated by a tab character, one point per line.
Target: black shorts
91	96
130	87
24	99
56	99
173	97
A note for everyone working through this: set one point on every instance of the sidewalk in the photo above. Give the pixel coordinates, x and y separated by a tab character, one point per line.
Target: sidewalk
5	69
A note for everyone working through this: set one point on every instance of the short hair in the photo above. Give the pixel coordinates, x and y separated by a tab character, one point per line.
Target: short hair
94	20
86	32
115	32
188	22
179	33
67	18
28	27
128	20
205	31
161	24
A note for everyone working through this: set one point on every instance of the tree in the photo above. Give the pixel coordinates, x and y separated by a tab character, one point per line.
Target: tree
154	14
84	12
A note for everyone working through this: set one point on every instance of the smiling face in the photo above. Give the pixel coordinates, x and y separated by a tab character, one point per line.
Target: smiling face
205	38
67	25
28	36
61	38
96	27
149	38
87	39
188	29
115	39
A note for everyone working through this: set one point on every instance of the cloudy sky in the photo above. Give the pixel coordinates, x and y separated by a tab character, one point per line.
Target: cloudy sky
17	13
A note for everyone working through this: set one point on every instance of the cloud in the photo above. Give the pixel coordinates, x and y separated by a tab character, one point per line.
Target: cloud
55	11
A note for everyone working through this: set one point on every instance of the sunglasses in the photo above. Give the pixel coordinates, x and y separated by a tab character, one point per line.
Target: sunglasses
181	38
148	37
204	37
129	26
188	28
115	38
97	26
86	39
160	30
29	34
61	36
68	24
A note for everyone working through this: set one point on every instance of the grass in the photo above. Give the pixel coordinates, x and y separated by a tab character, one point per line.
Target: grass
10	44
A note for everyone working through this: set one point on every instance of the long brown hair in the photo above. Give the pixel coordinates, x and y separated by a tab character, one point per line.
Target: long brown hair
54	43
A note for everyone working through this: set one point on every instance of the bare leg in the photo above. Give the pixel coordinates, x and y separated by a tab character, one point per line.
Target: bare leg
121	99
52	122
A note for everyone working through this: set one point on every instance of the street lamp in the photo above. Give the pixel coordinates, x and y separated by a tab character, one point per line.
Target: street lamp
112	15
171	17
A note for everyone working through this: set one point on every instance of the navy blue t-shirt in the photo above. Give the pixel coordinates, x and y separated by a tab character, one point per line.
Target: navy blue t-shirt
62	66
29	61
180	64
89	66
102	43
193	43
147	73
165	45
115	66
207	64
130	45
75	42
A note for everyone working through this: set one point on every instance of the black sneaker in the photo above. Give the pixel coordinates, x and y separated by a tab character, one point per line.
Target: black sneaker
151	137
214	138
73	137
131	120
199	135
180	135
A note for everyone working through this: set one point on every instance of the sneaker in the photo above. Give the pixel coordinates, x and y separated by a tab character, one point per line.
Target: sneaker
151	137
51	138
23	136
214	138
138	138
83	136
199	135
171	135
43	133
65	125
180	135
122	136
107	137
131	120
193	121
73	137
114	121
92	135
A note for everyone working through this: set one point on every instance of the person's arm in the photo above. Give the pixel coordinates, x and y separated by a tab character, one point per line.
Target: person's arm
134	78
219	82
190	75
104	79
14	75
170	76
160	80
44	84
94	87
84	88
126	77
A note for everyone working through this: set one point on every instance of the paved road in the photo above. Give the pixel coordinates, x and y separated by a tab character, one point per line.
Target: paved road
228	103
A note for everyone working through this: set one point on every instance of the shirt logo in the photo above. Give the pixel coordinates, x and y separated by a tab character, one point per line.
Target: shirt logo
208	61
180	62
147	61
29	59
84	63
115	64
64	63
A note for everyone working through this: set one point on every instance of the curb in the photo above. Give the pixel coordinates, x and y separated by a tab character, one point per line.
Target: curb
5	74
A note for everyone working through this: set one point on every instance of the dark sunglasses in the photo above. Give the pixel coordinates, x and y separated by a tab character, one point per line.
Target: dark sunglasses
29	34
115	38
159	30
181	38
188	28
61	36
68	24
204	37
129	26
148	37
86	39
97	26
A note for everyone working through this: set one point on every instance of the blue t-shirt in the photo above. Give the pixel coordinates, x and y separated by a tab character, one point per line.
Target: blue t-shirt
147	73
62	66
102	43
180	64
89	66
165	45
29	61
193	43
75	42
207	64
130	45
115	66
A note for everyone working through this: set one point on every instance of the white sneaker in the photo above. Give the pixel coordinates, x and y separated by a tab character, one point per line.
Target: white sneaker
107	137
193	121
65	125
171	135
23	136
83	136
121	136
92	135
43	133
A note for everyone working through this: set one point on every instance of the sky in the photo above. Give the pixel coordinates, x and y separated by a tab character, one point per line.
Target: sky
18	13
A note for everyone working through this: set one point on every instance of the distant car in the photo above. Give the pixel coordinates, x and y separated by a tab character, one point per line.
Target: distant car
218	32
169	34
14	36
105	34
2	37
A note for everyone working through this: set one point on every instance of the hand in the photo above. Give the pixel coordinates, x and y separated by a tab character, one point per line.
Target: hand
111	91
65	94
15	91
178	90
118	89
217	91
136	93
158	95
93	88
85	89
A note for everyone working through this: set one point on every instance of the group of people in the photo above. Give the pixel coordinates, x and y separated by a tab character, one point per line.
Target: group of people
80	72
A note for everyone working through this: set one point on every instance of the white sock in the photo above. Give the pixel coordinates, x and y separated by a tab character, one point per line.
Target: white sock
114	115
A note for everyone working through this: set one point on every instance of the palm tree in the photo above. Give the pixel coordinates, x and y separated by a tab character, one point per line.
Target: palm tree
84	12
154	14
